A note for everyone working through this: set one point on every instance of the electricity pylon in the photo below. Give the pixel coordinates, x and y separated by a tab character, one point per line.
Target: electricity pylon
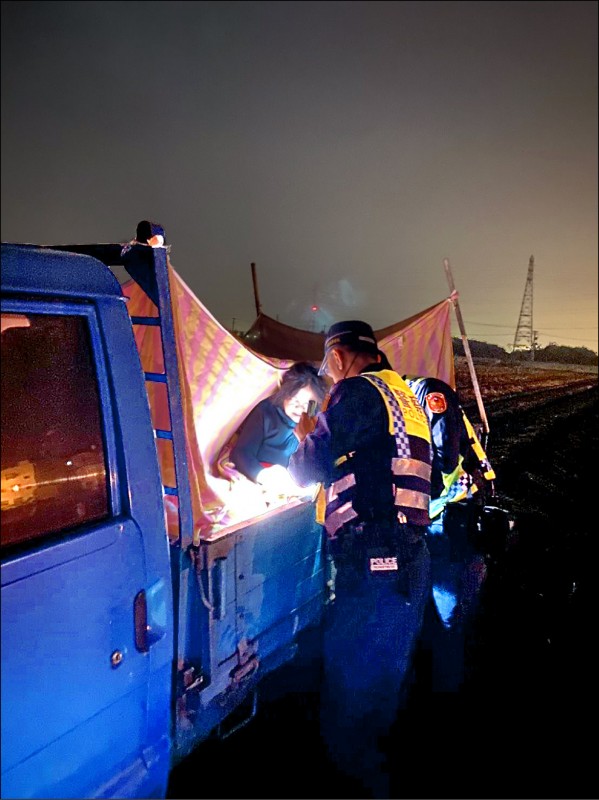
525	338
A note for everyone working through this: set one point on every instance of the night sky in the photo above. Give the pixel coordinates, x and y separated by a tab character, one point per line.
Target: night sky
345	147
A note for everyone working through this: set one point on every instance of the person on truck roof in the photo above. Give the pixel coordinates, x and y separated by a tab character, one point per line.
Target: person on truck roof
266	438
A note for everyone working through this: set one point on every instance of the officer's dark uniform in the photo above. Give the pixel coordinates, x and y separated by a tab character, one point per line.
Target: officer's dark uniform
460	471
371	452
460	474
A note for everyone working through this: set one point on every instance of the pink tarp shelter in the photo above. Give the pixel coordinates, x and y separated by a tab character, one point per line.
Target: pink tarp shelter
224	377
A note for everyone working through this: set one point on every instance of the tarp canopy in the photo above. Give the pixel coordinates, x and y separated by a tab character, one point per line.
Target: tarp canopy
419	345
222	377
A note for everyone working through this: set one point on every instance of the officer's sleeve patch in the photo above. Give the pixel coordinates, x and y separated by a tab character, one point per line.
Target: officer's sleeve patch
436	402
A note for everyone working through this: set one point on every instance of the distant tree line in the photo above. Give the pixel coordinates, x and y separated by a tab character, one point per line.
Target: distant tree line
554	353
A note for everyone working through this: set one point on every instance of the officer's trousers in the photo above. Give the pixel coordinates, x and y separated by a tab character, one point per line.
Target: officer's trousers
458	570
458	575
370	633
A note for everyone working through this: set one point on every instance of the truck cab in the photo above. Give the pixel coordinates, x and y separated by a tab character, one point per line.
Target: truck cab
126	641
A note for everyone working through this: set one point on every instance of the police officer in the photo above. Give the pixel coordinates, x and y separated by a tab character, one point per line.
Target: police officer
461	476
370	449
460	480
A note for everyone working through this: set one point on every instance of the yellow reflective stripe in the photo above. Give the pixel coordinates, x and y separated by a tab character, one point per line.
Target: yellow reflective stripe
437	506
340	486
411	499
460	495
343	459
452	477
411	466
338	518
415	420
474	441
321	505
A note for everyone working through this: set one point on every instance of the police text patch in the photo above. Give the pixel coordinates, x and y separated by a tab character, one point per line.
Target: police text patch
383	564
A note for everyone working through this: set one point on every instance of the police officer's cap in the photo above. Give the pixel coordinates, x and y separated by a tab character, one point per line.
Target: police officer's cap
356	334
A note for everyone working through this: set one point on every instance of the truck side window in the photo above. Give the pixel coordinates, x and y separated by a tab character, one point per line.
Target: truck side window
54	476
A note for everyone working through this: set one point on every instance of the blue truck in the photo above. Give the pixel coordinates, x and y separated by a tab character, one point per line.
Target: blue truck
123	647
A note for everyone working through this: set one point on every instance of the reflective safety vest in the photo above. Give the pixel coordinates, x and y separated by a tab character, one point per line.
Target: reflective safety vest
472	463
409	470
461	483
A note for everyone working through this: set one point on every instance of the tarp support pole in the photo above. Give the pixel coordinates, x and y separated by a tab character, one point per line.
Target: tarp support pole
458	313
255	282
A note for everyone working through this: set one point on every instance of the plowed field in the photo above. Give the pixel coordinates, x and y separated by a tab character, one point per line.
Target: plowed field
522	725
498	380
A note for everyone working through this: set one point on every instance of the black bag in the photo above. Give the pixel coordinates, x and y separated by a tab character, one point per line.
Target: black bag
460	522
493	531
472	527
